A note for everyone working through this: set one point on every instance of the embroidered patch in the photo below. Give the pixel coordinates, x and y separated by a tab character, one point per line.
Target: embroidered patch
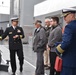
18	31
10	32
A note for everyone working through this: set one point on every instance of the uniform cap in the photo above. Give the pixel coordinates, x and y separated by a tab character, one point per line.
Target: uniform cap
14	19
68	11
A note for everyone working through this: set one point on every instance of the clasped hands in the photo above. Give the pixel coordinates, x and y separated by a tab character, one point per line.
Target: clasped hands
47	47
16	36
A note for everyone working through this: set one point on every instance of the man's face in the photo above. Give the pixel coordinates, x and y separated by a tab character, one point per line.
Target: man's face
37	25
52	22
47	23
68	18
14	23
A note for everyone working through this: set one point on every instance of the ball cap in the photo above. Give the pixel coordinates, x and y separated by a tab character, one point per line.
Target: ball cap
68	11
38	22
14	19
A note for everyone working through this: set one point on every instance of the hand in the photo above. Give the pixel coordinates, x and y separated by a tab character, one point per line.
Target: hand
0	38
16	36
48	48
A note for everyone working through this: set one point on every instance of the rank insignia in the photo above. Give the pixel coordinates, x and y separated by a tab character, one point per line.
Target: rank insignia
10	32
18	31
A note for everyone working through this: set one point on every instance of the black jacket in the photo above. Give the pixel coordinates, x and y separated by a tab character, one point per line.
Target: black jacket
14	43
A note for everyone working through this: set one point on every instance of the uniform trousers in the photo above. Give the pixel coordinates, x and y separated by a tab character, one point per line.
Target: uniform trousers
68	71
13	53
39	64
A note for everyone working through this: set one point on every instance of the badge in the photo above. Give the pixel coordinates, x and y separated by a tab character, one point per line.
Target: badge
18	31
10	32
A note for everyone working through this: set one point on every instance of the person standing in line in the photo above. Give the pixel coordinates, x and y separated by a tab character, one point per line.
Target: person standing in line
48	29
55	36
67	48
15	34
39	45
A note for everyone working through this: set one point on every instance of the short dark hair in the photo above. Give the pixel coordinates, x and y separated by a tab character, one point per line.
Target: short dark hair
55	19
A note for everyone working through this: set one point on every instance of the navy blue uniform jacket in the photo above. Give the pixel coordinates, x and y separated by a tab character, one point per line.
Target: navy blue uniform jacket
68	45
14	44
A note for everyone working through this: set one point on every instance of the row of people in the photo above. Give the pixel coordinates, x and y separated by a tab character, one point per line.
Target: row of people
44	43
45	39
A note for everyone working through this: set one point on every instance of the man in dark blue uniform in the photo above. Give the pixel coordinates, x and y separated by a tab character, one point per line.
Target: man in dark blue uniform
15	34
67	48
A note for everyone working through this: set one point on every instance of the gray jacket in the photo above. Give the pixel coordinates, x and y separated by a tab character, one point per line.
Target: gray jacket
55	36
39	44
48	30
